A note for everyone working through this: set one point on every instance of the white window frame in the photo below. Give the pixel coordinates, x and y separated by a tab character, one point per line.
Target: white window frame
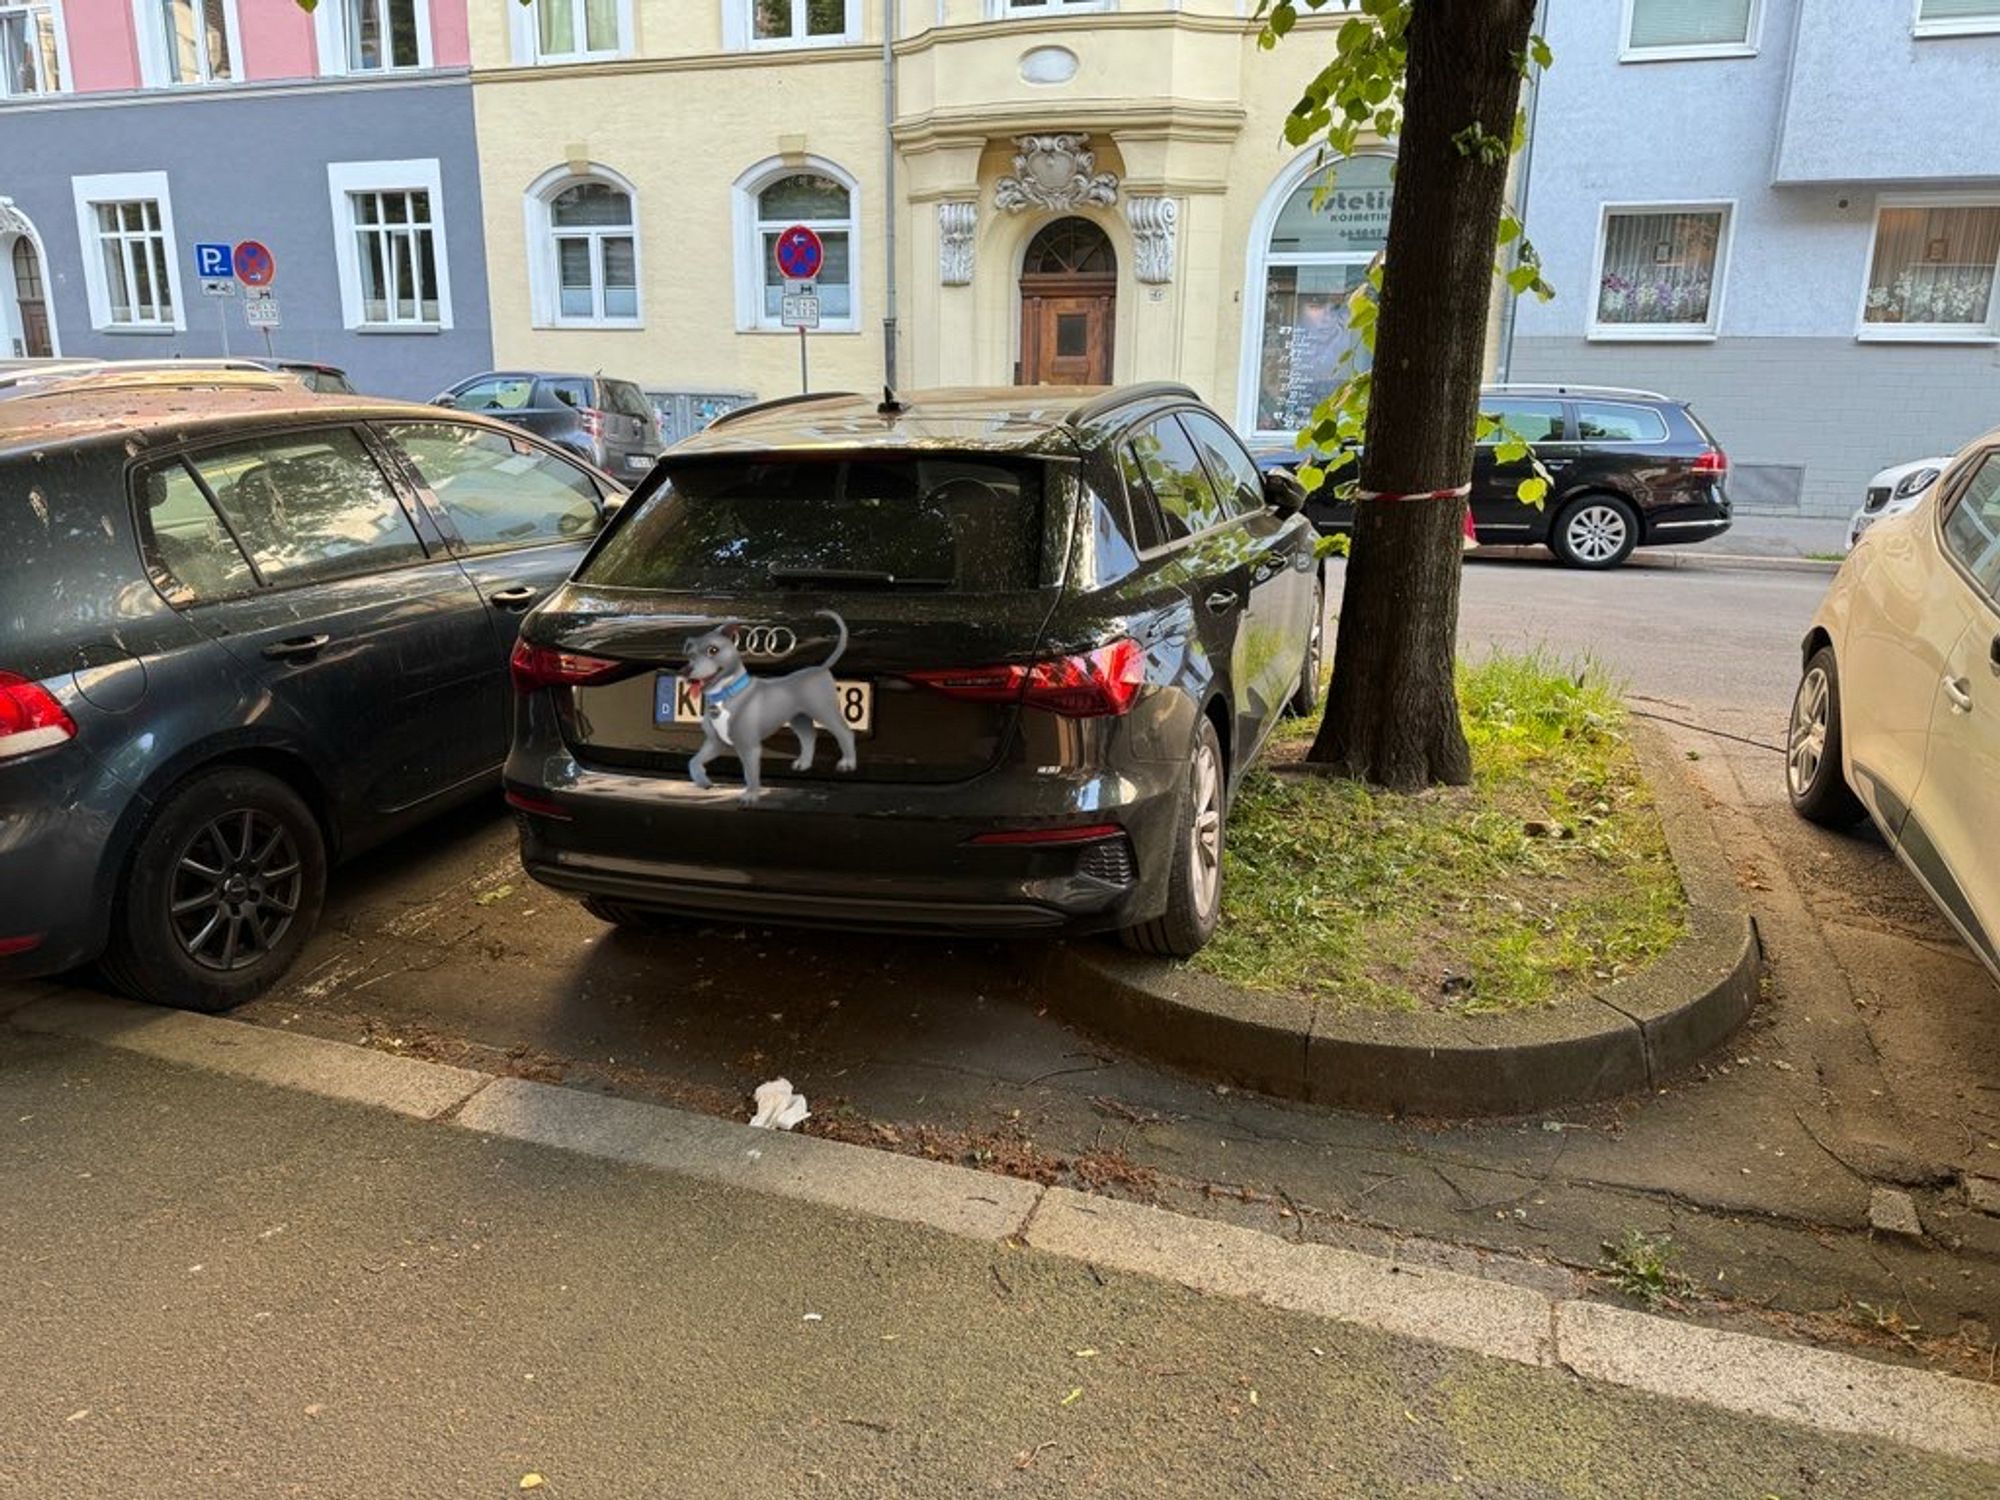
1752	31
738	34
1257	274
1866	332
544	271
419	174
525	29
1003	10
330	33
156	70
748	234
1985	25
1663	333
55	14
124	187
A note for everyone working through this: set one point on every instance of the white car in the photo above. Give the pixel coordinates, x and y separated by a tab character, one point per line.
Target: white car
1893	491
1898	709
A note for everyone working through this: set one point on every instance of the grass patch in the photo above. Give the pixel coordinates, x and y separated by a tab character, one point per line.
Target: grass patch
1547	876
1646	1268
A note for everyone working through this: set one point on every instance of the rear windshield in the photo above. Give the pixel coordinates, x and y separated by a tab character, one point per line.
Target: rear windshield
946	524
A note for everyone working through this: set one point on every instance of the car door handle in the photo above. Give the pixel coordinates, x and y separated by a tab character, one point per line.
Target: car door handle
515	597
298	648
1959	690
1221	601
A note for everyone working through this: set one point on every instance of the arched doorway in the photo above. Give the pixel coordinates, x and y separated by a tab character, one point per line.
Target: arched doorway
30	324
1069	295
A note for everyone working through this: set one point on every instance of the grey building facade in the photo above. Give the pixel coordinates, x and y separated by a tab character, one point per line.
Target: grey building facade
364	190
1786	212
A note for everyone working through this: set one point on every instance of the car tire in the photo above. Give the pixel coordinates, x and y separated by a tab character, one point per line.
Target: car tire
222	892
1813	776
1595	531
631	918
1305	698
1194	883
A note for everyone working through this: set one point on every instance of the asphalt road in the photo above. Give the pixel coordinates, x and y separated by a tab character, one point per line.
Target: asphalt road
215	1288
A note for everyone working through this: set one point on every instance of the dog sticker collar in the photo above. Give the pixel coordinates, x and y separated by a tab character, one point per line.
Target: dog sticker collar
723	692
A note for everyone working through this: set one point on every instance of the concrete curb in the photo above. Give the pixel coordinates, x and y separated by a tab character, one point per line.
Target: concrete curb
1760	1377
1682	557
1631	1035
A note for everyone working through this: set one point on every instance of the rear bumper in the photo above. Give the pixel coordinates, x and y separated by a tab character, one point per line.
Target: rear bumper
899	858
57	813
1677	525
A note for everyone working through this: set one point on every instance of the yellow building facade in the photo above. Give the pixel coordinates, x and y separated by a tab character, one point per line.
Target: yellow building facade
1067	190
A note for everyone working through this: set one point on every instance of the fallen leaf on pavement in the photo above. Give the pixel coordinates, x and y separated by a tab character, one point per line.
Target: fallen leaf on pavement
1073	1397
487	898
532	1481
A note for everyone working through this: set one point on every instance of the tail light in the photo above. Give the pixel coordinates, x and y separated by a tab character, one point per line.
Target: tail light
1712	461
27	943
536	667
1072	833
593	421
30	717
1088	685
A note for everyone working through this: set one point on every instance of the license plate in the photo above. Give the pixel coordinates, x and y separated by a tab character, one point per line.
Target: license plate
676	702
638	461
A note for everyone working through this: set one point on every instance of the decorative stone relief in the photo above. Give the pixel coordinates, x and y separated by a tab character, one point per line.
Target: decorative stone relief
1154	222
956	221
1047	65
1055	172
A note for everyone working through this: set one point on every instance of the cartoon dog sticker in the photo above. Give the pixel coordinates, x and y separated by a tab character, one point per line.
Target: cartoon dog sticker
739	712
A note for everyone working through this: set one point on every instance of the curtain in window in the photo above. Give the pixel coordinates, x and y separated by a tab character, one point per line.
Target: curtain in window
1933	265
1659	269
1690	23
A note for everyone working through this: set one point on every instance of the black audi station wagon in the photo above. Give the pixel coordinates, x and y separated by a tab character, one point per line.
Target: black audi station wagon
1005	654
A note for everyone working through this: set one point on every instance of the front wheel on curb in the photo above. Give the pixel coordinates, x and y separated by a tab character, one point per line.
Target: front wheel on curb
1595	531
1194	884
224	887
1818	787
1305	699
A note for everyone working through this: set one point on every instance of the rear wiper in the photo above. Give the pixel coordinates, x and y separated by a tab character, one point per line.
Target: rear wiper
855	577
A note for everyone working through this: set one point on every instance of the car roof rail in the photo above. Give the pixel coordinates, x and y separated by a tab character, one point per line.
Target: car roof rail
1125	395
1517	388
777	402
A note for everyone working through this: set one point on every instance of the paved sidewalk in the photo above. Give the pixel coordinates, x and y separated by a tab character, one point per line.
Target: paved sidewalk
1781	536
217	1287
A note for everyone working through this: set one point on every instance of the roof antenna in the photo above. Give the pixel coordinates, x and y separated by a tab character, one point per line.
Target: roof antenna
890	406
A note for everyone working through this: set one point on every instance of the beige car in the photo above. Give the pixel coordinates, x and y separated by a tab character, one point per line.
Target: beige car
1898	710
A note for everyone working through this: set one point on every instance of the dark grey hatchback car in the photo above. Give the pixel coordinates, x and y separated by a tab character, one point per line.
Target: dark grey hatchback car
1014	649
245	629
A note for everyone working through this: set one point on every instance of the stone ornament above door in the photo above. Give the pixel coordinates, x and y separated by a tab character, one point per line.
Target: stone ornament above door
1055	172
956	221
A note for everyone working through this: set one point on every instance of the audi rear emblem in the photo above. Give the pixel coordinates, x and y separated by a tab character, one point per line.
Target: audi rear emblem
770	641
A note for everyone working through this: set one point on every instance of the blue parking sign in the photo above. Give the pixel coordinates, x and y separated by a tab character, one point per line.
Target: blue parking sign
212	262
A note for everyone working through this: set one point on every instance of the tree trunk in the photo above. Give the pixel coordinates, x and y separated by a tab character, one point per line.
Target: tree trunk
1392	712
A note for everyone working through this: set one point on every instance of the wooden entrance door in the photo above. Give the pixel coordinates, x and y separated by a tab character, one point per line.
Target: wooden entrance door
1069	296
32	301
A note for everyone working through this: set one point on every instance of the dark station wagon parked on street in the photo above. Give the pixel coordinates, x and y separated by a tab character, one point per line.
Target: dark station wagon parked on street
609	423
245	629
1627	469
1061	623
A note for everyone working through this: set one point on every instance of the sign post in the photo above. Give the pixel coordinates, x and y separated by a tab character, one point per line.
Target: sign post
800	254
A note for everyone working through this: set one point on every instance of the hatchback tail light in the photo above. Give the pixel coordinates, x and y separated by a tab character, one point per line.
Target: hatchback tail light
30	717
536	667
1088	685
1712	461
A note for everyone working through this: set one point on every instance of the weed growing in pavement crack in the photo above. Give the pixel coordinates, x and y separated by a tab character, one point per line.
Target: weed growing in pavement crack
1642	1267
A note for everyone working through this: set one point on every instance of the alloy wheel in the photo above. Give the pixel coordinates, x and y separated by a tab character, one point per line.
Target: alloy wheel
1596	533
1205	834
235	889
1805	745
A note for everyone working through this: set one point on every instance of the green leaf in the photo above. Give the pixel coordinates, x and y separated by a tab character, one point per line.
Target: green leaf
1311	477
1532	492
1538	49
1510	449
1510	229
1523	277
1282	20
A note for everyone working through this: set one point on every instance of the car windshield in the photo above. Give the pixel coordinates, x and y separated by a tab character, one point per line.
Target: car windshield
948	524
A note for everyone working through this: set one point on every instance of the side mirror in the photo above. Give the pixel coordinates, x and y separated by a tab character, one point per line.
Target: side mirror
445	400
1283	492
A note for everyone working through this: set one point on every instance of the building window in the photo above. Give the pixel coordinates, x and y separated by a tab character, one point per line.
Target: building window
1932	271
584	249
1001	8
818	195
1957	17
389	233
792	23
1659	272
130	264
1312	259
1656	30
31	49
373	36
567	31
196	34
